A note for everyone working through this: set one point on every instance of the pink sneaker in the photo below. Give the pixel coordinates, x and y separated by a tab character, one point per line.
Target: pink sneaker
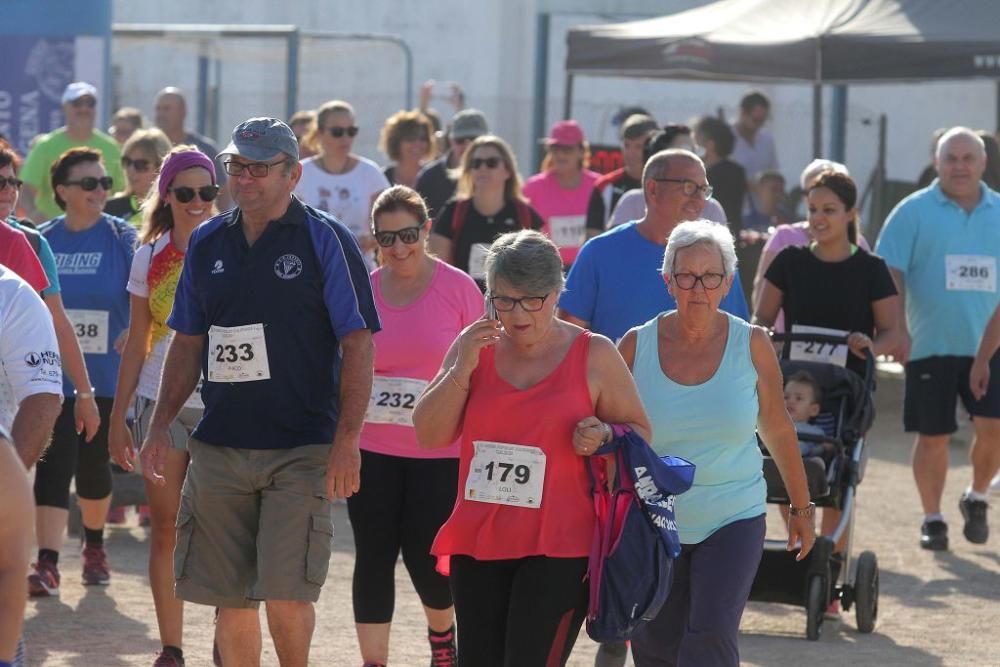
95	567
832	612
116	515
43	582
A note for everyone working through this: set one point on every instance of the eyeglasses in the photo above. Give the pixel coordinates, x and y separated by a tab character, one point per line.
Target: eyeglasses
338	132
89	183
185	194
408	235
141	164
708	280
255	169
689	187
488	162
529	304
88	102
12	181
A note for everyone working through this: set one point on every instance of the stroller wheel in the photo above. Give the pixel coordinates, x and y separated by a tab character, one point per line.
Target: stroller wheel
815	606
866	592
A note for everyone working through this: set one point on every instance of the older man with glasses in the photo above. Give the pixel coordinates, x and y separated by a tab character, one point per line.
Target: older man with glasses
79	102
275	304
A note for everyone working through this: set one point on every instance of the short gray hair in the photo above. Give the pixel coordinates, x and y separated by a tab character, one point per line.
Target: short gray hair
658	165
959	131
817	167
700	232
527	261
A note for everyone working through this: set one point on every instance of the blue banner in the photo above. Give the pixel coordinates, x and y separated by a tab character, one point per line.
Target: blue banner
36	70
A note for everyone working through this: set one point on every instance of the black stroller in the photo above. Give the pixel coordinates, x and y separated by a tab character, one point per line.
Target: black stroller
823	576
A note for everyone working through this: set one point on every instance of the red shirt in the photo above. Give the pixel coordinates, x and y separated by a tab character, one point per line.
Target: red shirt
17	255
542	416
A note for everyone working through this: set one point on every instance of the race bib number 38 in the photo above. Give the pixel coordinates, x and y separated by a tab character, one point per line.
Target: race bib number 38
506	474
91	327
237	354
971	273
393	399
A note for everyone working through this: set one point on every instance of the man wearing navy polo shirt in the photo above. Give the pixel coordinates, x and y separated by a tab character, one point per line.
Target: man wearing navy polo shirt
274	307
942	245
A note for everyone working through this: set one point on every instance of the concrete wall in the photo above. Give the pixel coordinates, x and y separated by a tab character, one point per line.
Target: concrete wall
489	47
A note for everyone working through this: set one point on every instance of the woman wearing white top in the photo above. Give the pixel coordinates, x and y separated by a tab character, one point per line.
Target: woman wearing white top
336	180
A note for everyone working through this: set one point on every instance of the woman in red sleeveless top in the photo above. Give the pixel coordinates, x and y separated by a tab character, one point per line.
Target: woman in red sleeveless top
528	396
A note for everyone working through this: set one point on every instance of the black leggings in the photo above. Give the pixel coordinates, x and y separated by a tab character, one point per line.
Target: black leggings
400	507
70	454
518	613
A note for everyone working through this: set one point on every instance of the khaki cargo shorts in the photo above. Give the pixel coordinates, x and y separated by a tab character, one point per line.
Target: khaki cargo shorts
253	524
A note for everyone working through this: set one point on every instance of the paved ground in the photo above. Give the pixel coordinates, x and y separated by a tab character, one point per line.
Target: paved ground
936	609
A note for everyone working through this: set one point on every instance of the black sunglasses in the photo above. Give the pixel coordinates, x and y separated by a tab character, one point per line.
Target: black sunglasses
185	194
338	132
12	181
489	162
88	102
408	235
89	183
139	165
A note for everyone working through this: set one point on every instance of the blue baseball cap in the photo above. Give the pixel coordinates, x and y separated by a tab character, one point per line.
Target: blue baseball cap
261	139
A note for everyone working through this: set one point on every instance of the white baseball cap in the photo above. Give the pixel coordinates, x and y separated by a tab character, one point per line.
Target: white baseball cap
78	89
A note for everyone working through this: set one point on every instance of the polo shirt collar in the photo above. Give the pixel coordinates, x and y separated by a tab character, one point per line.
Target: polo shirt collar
986	196
295	214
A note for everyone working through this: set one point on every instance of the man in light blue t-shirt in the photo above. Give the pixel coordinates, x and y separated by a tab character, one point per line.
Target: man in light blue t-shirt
616	282
942	245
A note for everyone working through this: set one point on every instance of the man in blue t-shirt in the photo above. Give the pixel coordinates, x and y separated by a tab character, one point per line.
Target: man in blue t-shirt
942	245
616	282
275	308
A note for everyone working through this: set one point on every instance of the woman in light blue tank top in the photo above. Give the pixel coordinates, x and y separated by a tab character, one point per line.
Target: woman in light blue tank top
710	382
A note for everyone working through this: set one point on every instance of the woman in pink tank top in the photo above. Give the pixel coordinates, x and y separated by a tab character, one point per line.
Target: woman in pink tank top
528	396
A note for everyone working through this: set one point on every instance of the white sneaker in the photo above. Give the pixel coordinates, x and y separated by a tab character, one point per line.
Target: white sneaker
995	484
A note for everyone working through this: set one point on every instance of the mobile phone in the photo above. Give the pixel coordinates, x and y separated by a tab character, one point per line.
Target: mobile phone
491	312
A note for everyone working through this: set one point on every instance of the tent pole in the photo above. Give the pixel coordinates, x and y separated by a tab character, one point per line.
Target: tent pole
568	98
838	124
817	120
541	85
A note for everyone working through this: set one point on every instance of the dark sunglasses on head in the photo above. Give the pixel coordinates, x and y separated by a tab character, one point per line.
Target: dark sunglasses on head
408	235
205	193
488	162
89	183
88	102
12	181
338	132
139	165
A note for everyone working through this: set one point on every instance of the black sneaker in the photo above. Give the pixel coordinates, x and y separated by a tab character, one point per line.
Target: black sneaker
934	535
976	529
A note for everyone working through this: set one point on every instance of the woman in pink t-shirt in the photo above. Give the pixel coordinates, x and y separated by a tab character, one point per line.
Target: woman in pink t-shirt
561	191
406	492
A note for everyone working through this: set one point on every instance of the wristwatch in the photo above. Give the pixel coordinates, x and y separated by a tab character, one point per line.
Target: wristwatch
808	512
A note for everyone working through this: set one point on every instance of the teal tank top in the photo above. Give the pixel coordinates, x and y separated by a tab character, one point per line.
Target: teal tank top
713	425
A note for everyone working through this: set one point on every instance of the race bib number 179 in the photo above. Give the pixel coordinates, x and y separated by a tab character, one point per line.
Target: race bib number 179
506	474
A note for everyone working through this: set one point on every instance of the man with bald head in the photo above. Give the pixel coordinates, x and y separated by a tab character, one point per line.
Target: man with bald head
942	245
170	114
615	283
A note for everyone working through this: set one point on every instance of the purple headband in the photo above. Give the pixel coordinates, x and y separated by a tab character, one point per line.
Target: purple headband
178	162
